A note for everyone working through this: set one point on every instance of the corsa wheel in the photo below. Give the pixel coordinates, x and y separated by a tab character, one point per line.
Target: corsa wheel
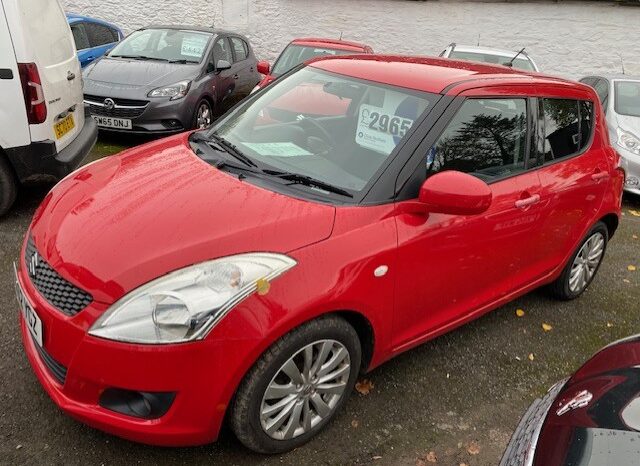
204	115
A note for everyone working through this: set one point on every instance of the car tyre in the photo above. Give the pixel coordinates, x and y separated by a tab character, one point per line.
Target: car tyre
203	117
583	265
8	186
311	404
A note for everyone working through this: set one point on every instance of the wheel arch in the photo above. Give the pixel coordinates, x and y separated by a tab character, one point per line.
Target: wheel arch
611	221
364	329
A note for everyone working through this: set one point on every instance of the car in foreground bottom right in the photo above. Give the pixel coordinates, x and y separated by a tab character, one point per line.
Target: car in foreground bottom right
590	419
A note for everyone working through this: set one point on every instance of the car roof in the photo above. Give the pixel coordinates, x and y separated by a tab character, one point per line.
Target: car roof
188	27
332	43
612	76
75	18
430	74
486	50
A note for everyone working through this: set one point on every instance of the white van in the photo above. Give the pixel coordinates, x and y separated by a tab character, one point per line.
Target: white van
43	127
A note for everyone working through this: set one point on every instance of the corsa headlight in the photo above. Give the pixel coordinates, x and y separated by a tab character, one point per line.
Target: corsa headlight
628	141
186	304
174	91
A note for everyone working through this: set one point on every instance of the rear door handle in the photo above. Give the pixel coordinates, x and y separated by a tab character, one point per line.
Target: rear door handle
528	201
70	76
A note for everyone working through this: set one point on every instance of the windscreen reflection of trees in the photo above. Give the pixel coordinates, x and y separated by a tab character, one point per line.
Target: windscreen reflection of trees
483	142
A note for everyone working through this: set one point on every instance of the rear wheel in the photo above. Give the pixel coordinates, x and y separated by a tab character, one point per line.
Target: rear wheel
297	386
8	186
583	265
203	117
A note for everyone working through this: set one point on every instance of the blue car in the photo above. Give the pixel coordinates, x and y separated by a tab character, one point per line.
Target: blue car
93	37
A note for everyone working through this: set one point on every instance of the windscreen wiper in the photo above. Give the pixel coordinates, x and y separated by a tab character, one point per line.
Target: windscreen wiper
297	178
138	57
232	150
182	61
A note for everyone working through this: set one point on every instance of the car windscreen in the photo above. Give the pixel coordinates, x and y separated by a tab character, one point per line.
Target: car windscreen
520	63
627	98
164	44
293	55
332	128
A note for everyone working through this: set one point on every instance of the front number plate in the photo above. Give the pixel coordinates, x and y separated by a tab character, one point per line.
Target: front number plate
34	324
64	126
109	122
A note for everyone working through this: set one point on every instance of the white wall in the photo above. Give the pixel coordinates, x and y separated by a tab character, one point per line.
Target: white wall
566	38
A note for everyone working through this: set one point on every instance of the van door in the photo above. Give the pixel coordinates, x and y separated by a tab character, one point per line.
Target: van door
41	35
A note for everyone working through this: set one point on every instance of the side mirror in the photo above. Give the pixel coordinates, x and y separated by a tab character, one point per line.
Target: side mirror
455	193
222	65
263	67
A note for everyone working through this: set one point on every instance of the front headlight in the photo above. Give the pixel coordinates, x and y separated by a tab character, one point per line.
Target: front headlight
186	304
175	91
628	141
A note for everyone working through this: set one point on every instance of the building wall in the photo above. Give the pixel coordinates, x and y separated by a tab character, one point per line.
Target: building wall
566	38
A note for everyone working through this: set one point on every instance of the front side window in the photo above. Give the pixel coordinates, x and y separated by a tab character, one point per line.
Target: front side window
293	55
164	44
520	62
222	51
333	128
239	48
486	138
627	98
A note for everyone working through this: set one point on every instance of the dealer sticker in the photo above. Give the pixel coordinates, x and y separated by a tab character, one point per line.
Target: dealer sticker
193	46
380	130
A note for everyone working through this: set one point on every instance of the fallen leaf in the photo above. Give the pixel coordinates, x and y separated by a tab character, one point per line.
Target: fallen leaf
262	286
546	327
634	236
609	325
518	358
473	448
376	457
531	357
519	312
431	457
355	423
631	268
626	280
420	462
635	213
364	386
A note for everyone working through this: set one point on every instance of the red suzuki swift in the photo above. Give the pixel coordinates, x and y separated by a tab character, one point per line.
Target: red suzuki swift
251	271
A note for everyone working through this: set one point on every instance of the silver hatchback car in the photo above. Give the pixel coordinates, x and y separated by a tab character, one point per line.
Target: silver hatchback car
166	79
519	60
620	98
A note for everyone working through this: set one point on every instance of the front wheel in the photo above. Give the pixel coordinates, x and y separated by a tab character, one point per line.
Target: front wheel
583	265
297	386
8	186
203	117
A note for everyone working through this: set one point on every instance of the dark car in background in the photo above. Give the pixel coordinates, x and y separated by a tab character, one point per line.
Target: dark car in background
589	419
93	37
166	79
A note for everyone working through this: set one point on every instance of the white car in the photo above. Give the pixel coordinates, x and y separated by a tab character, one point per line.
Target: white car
620	98
43	126
522	61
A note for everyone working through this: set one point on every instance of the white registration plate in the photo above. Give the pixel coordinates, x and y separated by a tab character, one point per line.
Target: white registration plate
34	324
110	122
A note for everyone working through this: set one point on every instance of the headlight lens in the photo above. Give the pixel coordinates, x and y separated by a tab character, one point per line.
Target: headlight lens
175	91
628	141
185	305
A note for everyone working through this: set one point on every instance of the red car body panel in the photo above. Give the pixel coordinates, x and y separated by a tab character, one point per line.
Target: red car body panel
125	220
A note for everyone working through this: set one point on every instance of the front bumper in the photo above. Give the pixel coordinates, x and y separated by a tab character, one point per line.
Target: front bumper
522	446
42	158
631	164
200	375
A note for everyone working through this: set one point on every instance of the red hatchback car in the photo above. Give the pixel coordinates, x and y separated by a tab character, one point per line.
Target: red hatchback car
300	50
251	271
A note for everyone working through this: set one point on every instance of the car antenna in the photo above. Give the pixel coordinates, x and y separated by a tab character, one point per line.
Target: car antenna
510	63
478	39
621	63
340	35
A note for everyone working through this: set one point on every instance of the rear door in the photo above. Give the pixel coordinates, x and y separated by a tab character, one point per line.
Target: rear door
243	67
455	266
41	35
225	83
101	39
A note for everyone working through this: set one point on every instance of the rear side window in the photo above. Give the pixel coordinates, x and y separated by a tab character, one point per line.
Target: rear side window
100	35
566	127
239	49
486	138
80	36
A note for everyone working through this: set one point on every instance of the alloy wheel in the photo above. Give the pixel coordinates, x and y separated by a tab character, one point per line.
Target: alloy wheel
305	390
586	262
203	118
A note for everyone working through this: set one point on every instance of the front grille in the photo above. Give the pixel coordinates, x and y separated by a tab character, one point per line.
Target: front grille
57	370
61	294
124	108
521	448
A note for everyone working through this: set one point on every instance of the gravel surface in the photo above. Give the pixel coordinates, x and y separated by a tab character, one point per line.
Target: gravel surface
456	398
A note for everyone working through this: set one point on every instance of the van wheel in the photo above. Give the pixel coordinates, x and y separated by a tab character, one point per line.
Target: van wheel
297	386
583	265
8	186
203	117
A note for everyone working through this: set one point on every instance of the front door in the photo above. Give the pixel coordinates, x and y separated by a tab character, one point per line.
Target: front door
454	267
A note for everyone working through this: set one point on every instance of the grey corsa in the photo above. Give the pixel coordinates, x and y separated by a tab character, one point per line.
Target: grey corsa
167	79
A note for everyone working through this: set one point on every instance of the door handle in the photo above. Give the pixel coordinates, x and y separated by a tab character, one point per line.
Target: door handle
235	76
528	201
70	76
600	175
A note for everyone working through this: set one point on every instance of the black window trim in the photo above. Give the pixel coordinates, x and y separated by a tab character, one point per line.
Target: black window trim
587	146
81	24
